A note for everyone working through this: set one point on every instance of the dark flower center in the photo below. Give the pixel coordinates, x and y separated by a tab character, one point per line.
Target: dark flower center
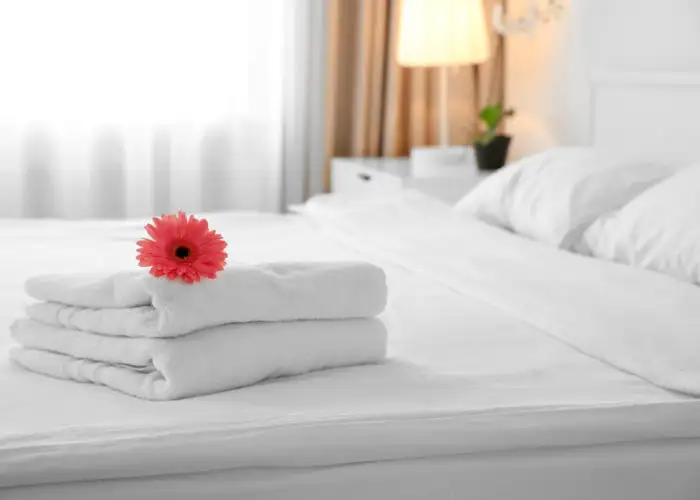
182	252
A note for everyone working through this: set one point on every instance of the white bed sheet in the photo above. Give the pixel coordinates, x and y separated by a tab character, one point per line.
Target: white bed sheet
640	322
464	377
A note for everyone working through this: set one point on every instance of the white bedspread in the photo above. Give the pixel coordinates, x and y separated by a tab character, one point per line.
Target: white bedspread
466	374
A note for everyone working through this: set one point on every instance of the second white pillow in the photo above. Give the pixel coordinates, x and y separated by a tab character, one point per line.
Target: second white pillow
659	230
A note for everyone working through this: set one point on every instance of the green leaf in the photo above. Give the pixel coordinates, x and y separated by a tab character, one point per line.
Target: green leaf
491	115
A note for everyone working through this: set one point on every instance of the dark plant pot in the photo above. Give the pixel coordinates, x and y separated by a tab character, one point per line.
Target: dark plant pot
492	156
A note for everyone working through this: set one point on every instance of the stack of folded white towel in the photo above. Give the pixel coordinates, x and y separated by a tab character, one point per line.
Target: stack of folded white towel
160	339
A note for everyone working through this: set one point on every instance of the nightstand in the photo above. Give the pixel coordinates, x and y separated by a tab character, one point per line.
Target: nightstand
362	177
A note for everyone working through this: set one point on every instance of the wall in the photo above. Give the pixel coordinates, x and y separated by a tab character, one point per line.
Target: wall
549	71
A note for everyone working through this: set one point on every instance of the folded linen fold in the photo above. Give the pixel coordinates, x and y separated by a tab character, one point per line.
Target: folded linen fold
204	362
136	304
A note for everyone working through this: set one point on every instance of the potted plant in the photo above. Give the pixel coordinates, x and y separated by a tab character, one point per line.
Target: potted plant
491	148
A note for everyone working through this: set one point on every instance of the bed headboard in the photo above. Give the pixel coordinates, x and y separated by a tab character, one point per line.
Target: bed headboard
654	115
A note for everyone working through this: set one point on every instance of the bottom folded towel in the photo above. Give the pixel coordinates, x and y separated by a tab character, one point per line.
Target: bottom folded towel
203	362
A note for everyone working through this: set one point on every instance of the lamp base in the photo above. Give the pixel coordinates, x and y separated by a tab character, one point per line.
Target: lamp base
441	161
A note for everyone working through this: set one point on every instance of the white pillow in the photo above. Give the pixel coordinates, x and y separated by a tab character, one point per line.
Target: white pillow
659	230
553	196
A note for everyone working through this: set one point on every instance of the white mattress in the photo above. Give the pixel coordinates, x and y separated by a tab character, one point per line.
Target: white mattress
639	471
465	377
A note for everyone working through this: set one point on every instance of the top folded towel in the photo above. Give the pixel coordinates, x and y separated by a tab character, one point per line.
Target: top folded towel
136	304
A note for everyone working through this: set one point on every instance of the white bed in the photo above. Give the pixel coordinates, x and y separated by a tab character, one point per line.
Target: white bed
483	395
516	370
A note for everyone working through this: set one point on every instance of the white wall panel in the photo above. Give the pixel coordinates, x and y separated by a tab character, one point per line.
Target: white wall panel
550	74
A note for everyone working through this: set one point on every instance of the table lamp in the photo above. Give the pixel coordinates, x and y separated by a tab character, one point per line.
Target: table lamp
444	34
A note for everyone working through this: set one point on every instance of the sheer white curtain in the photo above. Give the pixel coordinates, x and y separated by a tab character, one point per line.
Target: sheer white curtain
118	108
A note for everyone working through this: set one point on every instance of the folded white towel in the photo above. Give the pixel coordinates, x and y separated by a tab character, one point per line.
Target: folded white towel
204	362
136	304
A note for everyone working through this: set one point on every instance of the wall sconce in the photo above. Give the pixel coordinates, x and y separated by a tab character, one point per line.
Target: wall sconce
526	23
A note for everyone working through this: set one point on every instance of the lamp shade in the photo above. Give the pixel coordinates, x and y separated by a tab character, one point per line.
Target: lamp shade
442	33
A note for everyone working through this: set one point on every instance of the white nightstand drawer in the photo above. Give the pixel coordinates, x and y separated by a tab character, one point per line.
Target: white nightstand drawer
362	177
349	177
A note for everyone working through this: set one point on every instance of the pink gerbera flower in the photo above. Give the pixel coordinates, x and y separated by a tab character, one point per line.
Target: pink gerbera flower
182	248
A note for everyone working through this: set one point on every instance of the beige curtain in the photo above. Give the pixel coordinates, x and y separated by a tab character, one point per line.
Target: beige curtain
377	108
